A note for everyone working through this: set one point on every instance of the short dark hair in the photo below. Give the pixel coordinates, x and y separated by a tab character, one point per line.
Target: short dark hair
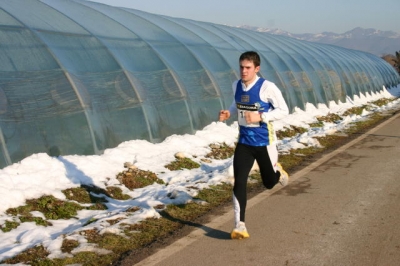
251	56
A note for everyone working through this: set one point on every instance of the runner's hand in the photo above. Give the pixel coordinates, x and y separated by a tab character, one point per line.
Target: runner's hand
224	115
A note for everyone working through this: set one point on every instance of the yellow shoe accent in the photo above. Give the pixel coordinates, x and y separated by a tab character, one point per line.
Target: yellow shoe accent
284	179
240	231
239	235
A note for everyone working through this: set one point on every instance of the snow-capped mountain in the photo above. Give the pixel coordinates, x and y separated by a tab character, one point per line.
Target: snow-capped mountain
368	40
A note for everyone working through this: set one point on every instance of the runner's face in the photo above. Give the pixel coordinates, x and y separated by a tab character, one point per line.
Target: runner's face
248	71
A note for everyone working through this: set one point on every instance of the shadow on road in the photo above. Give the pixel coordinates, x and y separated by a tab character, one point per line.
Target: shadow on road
210	232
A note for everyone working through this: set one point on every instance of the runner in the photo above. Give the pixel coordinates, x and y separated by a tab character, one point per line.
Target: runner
257	102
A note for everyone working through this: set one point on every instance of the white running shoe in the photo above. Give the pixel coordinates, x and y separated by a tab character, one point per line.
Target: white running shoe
284	178
240	231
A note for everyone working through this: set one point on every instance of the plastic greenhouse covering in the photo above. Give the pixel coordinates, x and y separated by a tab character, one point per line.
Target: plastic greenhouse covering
78	77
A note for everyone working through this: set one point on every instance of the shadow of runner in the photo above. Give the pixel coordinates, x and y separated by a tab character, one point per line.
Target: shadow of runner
210	232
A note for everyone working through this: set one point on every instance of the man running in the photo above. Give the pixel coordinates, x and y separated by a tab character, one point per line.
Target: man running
257	102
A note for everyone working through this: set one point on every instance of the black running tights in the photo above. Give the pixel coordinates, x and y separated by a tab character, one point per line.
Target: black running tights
243	161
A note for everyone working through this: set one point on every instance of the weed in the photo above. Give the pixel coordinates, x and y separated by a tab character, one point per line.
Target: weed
181	163
116	193
317	124
37	220
331	118
290	132
136	178
9	225
33	256
78	194
354	110
51	207
220	151
68	245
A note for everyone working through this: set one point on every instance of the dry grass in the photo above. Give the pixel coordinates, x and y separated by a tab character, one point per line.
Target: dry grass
173	217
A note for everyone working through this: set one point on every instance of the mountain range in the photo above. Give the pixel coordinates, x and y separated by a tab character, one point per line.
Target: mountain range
369	40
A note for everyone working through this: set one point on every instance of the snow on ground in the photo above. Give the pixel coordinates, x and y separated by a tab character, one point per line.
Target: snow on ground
40	174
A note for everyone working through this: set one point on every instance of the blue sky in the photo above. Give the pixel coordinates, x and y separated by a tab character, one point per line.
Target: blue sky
295	16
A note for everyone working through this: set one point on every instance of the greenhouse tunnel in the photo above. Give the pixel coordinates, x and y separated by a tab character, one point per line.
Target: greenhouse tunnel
78	77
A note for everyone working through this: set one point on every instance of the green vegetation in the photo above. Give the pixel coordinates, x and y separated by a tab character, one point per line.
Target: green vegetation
220	151
136	178
51	208
173	217
181	163
290	132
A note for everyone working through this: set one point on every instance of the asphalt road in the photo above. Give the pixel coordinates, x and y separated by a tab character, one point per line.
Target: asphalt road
343	209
